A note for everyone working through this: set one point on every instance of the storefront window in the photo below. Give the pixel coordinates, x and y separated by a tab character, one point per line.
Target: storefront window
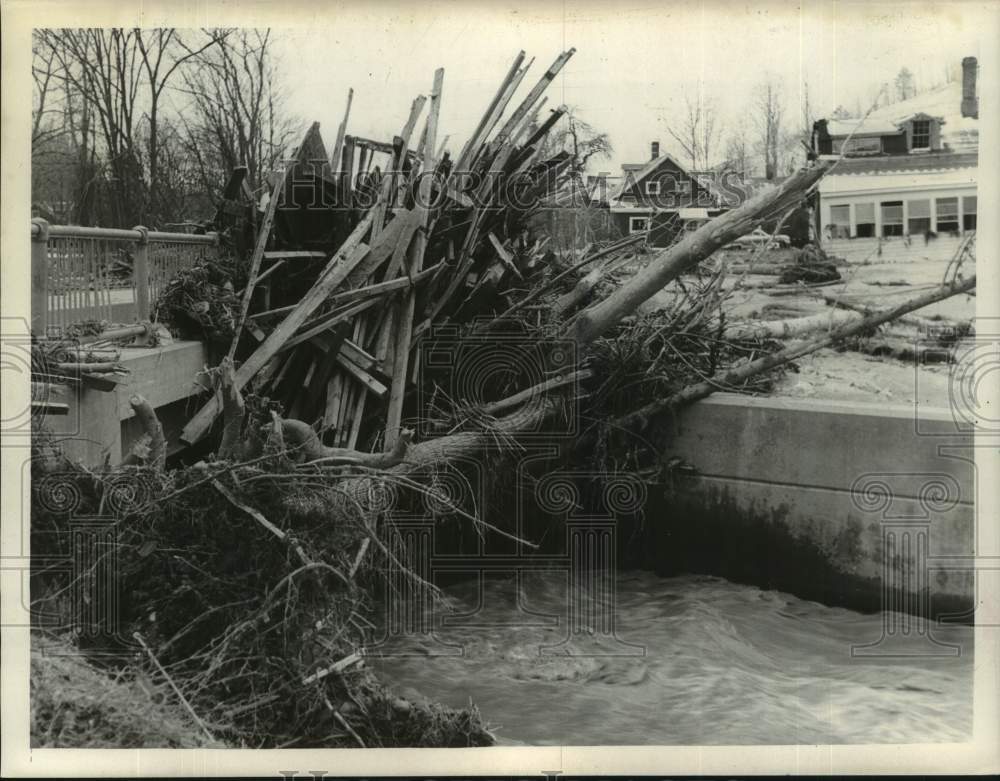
840	222
947	215
892	218
969	213
864	220
918	221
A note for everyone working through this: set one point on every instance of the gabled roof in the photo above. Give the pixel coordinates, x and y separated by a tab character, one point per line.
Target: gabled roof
871	127
640	171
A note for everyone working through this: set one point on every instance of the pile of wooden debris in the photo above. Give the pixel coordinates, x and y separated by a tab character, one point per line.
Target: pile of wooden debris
359	256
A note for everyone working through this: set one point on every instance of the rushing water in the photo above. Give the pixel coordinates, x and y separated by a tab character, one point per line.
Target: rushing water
722	664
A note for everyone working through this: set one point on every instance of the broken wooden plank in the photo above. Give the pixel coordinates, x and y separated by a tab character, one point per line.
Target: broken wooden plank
341	264
293	254
366	379
472	145
258	254
341	130
325	325
418	246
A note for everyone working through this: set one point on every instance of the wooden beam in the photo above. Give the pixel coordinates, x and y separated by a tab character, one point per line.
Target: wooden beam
338	146
258	254
418	246
472	145
350	254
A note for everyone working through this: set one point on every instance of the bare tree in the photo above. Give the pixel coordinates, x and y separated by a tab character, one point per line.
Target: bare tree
768	110
577	137
163	52
739	155
696	131
122	76
238	117
905	84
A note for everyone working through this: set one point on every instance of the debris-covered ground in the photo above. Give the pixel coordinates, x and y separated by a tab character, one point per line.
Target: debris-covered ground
251	564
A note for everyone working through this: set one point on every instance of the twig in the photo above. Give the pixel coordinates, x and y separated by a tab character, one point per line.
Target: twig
173	686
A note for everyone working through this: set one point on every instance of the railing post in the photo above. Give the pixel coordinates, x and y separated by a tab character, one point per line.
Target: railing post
140	274
40	277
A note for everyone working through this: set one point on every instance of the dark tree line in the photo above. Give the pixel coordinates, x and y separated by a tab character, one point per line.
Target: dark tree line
135	126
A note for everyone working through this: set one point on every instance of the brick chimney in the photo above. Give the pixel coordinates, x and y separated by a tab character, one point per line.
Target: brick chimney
970	103
654	147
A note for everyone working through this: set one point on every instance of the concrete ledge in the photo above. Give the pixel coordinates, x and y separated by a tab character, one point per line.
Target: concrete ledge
870	495
98	424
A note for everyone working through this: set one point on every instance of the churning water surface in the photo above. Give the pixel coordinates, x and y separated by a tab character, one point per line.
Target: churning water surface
701	661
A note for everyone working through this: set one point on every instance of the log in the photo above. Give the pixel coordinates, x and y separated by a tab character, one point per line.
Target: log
787	329
923	323
152	427
301	439
732	377
668	264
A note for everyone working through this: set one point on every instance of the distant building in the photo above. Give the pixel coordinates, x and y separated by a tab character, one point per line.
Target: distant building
662	198
909	169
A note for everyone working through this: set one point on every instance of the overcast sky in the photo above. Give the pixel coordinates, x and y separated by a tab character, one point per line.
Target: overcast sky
633	62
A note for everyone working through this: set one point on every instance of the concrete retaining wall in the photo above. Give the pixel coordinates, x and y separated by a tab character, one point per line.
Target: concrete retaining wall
864	505
101	424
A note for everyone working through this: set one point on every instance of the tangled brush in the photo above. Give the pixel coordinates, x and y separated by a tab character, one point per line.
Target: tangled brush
200	302
242	588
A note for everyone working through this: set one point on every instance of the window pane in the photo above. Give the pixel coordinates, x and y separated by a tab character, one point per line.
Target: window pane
864	212
892	211
840	222
892	218
921	208
946	207
969	204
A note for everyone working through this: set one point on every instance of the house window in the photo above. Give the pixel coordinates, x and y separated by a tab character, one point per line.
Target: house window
921	134
969	213
840	222
892	218
652	188
918	220
638	224
864	220
947	215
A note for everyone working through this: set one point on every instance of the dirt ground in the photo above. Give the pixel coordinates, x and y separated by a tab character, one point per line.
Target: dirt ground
851	376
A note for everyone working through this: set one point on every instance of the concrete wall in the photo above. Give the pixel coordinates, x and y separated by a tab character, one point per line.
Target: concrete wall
100	424
851	504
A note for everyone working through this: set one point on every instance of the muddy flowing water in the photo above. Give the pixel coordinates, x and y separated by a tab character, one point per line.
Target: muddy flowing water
722	664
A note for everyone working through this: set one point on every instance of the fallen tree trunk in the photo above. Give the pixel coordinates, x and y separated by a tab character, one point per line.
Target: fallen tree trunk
923	323
151	427
670	263
733	377
786	329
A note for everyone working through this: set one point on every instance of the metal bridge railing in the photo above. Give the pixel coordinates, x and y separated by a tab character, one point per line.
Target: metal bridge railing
80	273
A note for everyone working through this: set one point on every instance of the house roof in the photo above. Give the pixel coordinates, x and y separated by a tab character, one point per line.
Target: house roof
640	171
944	103
845	127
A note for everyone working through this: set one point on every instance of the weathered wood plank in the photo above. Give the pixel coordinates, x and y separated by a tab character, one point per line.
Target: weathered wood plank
336	271
418	246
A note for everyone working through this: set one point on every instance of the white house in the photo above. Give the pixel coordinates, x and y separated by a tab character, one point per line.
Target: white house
909	169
